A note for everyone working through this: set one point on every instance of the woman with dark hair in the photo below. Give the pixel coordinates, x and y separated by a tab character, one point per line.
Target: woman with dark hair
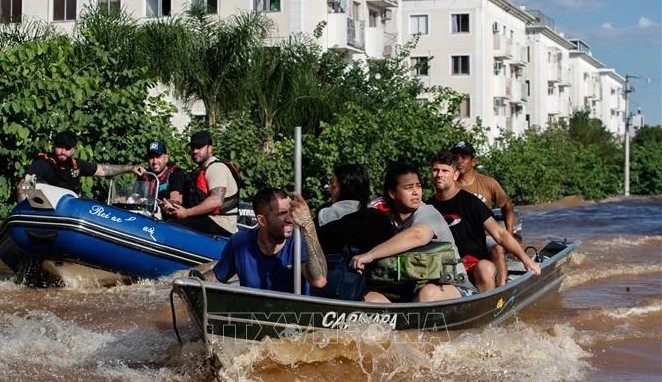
349	227
350	192
416	224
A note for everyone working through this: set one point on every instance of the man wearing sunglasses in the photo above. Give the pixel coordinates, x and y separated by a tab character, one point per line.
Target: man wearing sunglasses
59	167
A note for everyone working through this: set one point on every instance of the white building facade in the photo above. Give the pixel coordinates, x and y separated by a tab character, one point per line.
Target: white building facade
515	68
476	47
548	77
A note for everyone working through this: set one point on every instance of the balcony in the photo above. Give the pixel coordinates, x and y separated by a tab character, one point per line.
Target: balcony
383	3
554	73
514	90
553	105
593	89
346	34
502	87
503	47
519	57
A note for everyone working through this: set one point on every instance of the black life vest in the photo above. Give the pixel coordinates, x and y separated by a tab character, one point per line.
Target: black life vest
67	174
199	190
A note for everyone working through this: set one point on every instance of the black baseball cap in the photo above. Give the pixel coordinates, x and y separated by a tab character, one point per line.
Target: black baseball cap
157	148
199	139
66	139
465	148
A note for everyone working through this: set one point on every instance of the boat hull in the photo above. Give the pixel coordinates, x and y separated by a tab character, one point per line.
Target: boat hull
250	314
87	235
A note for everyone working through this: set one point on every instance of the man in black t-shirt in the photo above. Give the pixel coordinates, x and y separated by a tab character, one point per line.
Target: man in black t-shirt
469	218
59	167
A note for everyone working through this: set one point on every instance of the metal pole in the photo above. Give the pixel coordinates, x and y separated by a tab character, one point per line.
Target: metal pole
297	188
627	137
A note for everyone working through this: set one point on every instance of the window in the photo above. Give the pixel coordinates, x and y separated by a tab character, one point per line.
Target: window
109	5
418	24
211	6
528	87
372	18
550	88
420	66
465	108
499	106
64	10
158	8
460	23
267	5
460	64
11	11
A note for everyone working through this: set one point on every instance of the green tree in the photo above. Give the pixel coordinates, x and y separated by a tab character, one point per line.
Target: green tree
50	86
545	165
285	90
205	58
646	161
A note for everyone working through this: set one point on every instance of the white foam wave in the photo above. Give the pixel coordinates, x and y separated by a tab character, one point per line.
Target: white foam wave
634	312
40	344
628	242
581	276
513	353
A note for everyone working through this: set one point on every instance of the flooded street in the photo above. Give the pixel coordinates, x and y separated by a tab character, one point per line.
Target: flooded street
605	324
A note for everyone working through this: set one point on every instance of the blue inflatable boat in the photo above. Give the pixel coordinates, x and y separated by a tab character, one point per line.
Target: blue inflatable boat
55	236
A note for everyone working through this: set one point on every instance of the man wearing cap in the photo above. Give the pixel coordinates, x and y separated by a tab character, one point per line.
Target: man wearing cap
490	192
171	178
212	204
59	167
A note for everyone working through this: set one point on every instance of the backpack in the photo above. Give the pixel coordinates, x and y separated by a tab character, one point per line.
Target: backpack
343	283
193	196
236	173
436	261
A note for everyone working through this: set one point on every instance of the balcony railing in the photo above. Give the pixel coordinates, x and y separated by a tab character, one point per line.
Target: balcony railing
345	33
356	33
503	47
555	73
384	3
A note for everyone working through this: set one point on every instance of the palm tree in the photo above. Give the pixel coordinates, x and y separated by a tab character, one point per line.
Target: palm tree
285	88
205	58
12	34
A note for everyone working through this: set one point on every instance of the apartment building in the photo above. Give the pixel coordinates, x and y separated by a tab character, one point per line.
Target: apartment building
548	77
515	68
597	89
355	27
611	109
477	47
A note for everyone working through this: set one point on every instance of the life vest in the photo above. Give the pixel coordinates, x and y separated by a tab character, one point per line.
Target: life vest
163	180
67	174
199	190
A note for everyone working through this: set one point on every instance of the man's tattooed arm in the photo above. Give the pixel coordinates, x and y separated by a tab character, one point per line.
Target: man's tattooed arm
116	169
315	268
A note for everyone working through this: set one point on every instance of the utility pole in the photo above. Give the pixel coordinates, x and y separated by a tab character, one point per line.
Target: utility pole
628	118
626	93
